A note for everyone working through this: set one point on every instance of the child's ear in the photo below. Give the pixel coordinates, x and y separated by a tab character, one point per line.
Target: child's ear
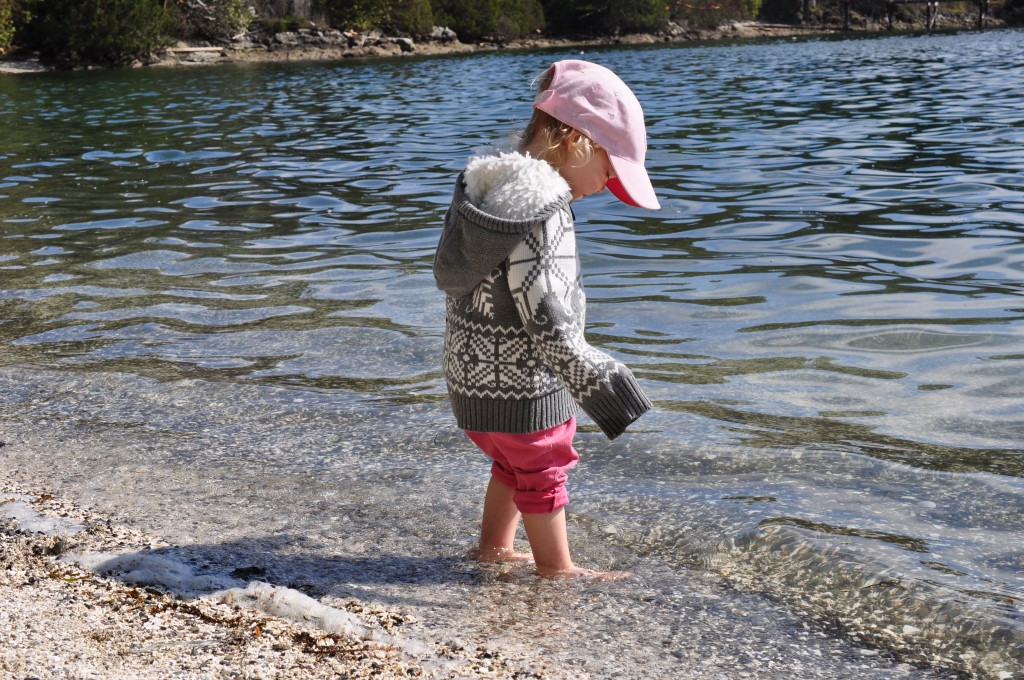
573	148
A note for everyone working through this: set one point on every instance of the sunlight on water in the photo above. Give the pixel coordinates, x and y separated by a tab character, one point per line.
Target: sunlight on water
826	311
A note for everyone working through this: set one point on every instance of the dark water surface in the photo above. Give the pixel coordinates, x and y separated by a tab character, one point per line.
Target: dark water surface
215	284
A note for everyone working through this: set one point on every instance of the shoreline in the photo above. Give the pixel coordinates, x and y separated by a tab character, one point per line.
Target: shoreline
86	596
89	596
40	550
309	45
101	584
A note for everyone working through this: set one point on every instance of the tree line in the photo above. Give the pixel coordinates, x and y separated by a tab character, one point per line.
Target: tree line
119	31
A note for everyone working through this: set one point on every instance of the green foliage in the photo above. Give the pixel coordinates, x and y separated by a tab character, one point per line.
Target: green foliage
711	13
283	24
502	19
6	25
14	19
110	31
638	16
415	17
214	19
604	17
392	16
360	15
278	9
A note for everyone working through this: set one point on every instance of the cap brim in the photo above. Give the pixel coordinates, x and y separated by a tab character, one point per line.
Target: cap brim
631	185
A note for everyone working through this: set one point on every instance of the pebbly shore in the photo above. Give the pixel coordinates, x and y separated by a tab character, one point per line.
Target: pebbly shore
97	585
79	603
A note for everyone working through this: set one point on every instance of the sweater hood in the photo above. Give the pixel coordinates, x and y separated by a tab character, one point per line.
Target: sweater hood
513	186
498	200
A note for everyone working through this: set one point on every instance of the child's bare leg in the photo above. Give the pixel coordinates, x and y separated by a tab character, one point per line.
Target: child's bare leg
549	541
498	527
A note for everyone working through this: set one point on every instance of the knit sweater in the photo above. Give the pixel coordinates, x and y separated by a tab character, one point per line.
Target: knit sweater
515	356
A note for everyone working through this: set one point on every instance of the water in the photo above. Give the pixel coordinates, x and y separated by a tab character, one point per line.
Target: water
216	304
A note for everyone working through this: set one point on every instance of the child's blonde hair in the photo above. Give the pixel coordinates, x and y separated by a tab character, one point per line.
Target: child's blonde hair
561	142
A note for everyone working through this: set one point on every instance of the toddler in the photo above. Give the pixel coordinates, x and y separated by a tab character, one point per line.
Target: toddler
516	361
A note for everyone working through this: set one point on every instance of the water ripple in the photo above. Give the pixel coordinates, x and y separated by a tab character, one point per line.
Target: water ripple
826	311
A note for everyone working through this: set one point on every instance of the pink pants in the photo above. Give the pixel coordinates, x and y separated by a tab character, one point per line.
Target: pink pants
533	464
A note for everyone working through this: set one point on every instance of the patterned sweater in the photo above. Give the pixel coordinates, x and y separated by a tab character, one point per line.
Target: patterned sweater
515	358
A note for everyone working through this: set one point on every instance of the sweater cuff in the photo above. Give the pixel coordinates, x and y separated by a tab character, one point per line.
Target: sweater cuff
616	409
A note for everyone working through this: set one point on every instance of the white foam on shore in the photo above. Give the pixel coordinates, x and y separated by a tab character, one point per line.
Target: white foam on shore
23	66
16	506
291	604
297	606
288	603
178	577
153	570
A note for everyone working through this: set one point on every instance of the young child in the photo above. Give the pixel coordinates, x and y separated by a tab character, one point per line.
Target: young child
516	360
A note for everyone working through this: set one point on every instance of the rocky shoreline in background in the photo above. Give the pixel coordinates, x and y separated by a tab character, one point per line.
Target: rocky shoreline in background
313	44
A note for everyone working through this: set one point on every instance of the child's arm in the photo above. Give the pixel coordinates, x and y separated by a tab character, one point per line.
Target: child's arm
543	275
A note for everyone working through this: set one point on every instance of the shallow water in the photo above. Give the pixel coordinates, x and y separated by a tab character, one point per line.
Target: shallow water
219	279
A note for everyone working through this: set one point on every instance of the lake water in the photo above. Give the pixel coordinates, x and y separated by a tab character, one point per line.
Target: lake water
216	305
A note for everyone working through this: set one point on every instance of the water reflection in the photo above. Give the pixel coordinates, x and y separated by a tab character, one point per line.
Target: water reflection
826	311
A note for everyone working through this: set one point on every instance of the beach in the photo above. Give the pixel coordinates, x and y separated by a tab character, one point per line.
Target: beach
225	443
88	594
79	602
63	619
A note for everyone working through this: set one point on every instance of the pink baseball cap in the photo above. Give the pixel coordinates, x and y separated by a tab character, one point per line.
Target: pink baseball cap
595	101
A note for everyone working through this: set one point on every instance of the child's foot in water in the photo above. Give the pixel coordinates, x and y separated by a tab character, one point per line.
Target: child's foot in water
580	572
491	553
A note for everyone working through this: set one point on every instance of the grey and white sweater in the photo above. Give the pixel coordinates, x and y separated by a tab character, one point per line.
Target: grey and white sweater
515	357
